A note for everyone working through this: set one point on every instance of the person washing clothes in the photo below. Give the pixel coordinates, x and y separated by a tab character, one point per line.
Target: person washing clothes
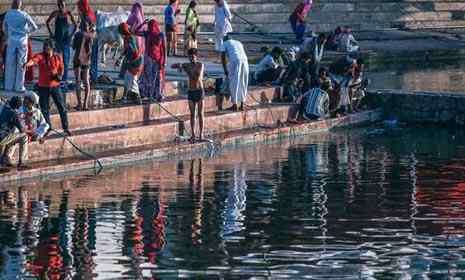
223	25
65	27
17	25
51	70
236	69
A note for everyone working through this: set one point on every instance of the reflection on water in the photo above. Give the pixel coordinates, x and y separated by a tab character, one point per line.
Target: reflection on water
424	77
363	204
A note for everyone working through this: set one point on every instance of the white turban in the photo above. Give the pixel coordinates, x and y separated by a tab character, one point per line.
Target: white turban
33	96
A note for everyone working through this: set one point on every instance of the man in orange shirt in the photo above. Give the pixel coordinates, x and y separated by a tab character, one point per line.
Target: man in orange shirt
50	72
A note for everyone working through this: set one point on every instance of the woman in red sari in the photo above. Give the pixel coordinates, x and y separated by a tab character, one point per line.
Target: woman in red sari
152	82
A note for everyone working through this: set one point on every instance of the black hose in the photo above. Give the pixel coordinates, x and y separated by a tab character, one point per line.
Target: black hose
91	156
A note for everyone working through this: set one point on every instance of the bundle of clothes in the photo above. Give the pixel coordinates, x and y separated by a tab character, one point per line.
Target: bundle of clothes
319	91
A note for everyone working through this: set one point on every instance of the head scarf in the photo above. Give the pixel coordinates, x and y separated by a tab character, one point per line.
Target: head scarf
123	28
155	44
86	10
307	6
136	17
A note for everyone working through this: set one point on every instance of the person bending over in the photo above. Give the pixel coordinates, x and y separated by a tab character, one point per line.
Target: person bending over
195	71
236	69
12	132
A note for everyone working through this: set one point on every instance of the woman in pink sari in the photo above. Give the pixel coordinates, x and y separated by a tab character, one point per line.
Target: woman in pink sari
152	81
135	19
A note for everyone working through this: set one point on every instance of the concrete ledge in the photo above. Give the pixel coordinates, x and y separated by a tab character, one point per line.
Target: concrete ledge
172	150
422	107
176	105
152	132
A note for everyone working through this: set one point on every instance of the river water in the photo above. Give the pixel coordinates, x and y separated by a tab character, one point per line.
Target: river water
371	203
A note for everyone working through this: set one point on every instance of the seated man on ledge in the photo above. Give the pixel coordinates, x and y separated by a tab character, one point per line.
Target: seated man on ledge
12	132
314	104
270	68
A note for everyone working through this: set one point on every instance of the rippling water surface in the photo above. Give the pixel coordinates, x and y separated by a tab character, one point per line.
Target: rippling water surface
371	203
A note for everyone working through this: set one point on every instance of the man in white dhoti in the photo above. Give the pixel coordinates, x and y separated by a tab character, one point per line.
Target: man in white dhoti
223	25
236	68
17	25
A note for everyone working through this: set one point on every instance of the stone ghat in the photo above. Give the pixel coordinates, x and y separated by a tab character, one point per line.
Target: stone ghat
273	15
422	107
233	137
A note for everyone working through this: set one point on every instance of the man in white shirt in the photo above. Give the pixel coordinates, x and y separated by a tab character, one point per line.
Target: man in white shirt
236	68
223	25
269	68
347	42
17	25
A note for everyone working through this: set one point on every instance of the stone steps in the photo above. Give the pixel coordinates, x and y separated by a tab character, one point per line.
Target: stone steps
157	131
176	105
325	15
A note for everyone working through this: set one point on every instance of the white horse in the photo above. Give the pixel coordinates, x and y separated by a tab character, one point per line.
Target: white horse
108	36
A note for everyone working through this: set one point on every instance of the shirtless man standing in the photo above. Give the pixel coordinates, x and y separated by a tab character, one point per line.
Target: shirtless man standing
194	70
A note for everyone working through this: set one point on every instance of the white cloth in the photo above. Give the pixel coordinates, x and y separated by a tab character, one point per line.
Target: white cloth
238	68
317	103
348	43
266	63
36	120
223	25
344	93
16	57
108	19
234	50
17	25
131	83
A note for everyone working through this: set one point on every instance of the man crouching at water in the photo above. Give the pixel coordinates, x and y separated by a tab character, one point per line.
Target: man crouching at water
12	132
194	70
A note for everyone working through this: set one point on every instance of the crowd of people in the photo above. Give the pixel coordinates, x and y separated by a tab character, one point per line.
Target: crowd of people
320	91
298	70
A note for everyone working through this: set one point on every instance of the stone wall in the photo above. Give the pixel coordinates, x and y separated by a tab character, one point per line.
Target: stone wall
421	107
273	15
